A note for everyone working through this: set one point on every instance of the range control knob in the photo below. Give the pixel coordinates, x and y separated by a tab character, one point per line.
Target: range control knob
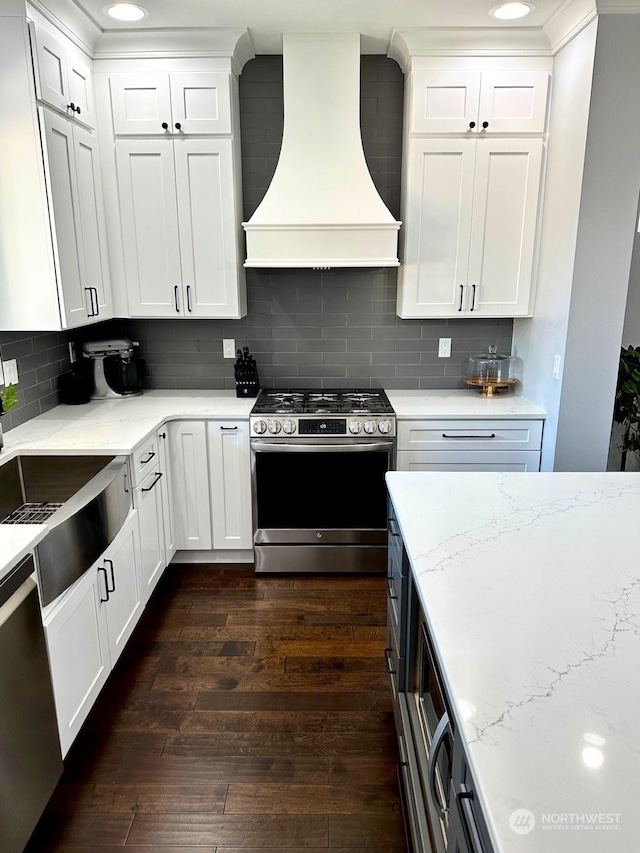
384	427
289	427
370	427
259	427
274	427
355	427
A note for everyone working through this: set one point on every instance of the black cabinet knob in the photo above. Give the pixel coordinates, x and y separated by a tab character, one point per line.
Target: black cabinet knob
485	125
165	126
472	124
178	126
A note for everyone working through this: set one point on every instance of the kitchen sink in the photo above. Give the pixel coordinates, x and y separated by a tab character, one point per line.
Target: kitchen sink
84	500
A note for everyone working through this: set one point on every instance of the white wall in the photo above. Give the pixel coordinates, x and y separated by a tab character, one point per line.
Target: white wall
631	333
610	190
538	339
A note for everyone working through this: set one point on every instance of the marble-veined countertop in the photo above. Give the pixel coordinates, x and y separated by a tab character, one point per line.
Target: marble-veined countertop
531	586
465	404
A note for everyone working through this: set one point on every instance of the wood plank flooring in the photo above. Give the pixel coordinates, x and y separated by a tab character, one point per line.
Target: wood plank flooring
245	715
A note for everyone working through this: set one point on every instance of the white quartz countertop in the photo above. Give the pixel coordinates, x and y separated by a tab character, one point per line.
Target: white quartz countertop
119	426
16	541
531	586
114	427
461	403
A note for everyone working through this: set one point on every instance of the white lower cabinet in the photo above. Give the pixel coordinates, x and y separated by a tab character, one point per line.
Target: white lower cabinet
230	479
190	476
89	626
147	498
478	445
166	491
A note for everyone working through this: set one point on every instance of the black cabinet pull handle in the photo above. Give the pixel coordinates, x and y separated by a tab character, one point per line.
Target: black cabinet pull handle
229	429
465	799
73	108
473	296
113	577
485	125
393	530
175	296
390	588
157	479
148	459
472	124
162	435
466	437
461	296
387	657
165	126
178	126
188	297
106	584
92	312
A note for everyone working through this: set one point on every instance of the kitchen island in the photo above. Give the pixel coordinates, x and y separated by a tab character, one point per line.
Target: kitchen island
531	590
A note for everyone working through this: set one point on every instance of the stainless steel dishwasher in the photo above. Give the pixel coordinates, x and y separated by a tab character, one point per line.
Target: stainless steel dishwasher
30	759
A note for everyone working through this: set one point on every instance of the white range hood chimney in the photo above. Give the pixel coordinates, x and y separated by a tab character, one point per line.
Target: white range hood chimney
322	208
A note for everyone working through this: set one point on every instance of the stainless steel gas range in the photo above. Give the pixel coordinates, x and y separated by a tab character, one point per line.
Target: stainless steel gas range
318	464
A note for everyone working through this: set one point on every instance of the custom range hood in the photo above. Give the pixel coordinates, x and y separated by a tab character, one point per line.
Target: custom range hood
322	208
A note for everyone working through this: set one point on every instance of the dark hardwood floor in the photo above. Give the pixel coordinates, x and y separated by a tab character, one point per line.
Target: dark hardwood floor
246	714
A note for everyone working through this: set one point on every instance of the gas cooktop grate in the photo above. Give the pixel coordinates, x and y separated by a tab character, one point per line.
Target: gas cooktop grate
32	513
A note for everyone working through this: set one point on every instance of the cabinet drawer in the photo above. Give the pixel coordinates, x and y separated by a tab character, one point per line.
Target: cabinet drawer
468	460
470	435
144	459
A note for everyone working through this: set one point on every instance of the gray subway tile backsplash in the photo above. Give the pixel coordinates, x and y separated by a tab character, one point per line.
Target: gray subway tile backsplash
307	328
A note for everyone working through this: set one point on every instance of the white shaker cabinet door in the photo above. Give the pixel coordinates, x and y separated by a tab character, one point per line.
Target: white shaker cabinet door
63	79
66	224
201	102
148	209
230	477
444	101
148	499
439	204
505	215
78	648
513	101
190	478
118	568
166	491
207	227
140	103
97	285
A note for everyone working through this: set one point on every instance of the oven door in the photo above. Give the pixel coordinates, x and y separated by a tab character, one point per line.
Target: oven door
328	493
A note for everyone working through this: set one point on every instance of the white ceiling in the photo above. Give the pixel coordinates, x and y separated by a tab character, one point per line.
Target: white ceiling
266	20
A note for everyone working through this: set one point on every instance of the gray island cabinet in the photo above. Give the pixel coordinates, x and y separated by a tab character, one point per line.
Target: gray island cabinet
512	651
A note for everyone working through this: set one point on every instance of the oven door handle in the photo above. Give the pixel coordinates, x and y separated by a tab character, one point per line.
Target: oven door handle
442	729
324	447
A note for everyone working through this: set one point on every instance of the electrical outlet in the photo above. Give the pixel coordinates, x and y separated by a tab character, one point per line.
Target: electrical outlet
444	348
11	372
228	348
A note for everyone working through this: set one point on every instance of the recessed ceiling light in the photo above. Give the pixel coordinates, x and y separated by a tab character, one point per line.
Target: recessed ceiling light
511	11
126	11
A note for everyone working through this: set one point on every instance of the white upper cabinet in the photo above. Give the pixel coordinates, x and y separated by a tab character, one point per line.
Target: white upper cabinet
472	180
195	102
77	224
52	223
179	214
470	227
63	79
504	101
